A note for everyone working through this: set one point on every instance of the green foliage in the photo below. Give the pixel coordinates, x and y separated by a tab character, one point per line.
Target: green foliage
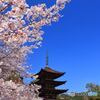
93	88
63	97
77	98
66	97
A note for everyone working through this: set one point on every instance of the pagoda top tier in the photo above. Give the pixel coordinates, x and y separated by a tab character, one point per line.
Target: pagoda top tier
48	69
49	73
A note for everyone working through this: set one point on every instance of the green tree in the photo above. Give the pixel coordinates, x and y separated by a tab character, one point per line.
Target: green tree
93	88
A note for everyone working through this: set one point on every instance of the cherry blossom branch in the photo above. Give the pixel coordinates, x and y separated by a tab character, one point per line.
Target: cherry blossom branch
22	27
4	8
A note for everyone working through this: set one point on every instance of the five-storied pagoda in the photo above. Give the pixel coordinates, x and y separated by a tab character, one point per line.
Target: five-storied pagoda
46	79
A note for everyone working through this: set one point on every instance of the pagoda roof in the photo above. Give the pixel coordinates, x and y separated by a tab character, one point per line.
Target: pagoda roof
50	72
48	81
48	69
54	91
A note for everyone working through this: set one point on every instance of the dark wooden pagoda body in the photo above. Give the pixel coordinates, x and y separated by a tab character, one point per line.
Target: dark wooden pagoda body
46	79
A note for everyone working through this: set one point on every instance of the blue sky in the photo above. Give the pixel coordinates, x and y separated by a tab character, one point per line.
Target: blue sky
73	44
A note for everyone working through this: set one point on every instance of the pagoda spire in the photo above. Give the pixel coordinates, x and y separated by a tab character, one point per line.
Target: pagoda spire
47	59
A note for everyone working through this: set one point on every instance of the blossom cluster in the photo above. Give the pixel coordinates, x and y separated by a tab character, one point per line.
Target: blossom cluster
23	24
11	91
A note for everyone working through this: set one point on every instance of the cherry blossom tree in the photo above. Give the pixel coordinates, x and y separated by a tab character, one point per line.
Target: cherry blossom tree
21	28
21	32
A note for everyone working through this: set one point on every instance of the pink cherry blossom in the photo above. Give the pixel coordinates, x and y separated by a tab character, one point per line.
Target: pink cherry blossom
20	33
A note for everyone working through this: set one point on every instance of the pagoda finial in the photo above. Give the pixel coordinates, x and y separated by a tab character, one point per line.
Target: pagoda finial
47	59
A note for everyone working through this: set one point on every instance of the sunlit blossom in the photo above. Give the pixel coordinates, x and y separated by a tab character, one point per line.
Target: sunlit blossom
21	32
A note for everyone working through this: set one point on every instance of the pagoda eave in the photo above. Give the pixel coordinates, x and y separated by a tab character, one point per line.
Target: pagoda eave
54	91
50	74
55	83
